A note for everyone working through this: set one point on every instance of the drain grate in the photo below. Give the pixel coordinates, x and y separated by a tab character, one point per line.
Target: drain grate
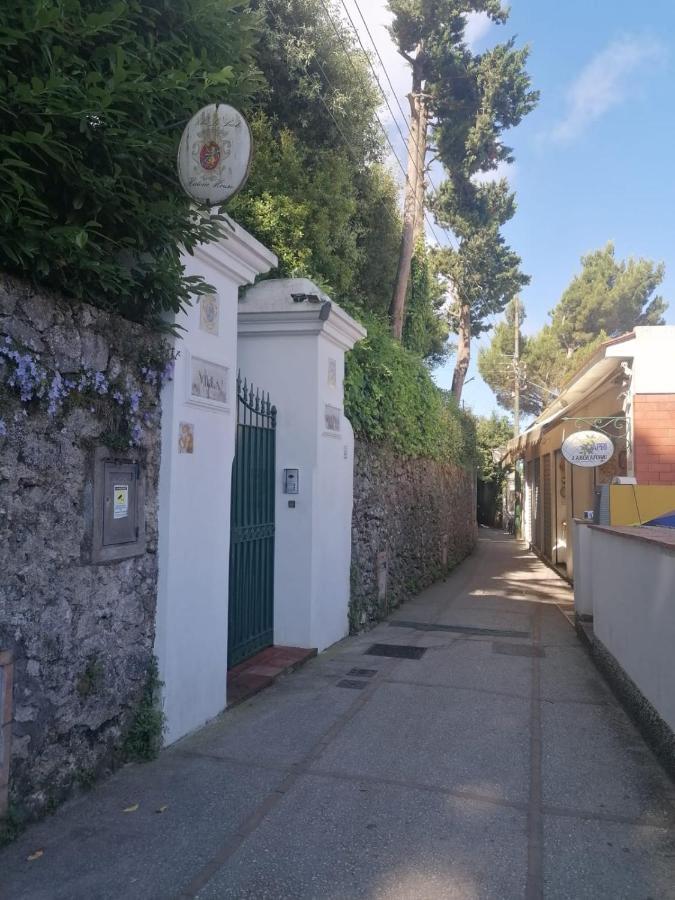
352	683
460	629
517	649
362	673
398	651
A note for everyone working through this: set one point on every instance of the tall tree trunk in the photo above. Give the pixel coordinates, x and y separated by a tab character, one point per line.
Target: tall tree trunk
463	351
413	208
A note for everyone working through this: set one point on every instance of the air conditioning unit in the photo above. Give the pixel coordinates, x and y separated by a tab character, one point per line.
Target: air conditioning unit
624	479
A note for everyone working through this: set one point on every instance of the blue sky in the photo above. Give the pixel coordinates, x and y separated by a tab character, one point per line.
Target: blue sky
594	161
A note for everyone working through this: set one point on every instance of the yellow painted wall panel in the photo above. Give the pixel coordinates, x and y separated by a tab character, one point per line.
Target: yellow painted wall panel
637	504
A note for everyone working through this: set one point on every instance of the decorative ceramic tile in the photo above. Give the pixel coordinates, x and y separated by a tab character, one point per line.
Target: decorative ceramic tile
209	313
186	437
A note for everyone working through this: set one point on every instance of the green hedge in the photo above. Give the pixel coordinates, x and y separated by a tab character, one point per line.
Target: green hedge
93	98
391	398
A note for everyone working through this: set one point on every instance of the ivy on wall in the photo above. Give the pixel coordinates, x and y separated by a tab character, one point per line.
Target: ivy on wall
93	98
391	398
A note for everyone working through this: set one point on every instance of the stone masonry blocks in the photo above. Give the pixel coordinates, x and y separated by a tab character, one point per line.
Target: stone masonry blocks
413	521
6	682
81	635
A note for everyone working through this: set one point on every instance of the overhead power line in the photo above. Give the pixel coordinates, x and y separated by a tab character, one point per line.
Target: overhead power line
344	137
384	96
450	237
381	124
391	86
384	68
347	143
375	75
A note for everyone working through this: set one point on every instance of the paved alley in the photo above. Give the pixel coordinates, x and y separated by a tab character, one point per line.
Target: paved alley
487	760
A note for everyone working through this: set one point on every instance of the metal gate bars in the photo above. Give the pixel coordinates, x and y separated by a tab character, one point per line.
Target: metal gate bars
251	594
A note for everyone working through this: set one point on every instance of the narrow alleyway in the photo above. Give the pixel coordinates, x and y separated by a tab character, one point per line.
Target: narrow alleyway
495	765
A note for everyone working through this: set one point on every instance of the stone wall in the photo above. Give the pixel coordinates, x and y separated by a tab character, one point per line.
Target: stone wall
413	521
81	634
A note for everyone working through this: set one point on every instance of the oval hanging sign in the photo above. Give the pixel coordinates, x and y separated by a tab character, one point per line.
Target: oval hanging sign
214	154
588	449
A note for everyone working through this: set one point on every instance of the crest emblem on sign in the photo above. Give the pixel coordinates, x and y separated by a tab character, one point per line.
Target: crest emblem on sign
209	155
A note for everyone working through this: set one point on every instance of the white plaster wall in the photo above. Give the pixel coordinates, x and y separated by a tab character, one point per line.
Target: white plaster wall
654	360
332	519
285	346
312	540
286	366
582	571
194	501
194	506
633	588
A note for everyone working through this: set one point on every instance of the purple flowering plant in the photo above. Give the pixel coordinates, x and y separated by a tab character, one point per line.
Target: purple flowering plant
121	402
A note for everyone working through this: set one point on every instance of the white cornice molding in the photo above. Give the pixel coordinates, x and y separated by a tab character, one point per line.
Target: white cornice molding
238	255
268	309
341	325
340	329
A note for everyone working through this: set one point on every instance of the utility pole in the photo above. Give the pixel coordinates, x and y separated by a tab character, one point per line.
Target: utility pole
516	371
413	209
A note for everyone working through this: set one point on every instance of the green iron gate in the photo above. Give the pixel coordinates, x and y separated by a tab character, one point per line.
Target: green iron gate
251	600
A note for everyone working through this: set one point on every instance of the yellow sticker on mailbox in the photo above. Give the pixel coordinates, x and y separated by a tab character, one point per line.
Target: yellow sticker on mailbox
120	501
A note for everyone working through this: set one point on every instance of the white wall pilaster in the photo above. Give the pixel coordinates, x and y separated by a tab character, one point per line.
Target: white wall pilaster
295	349
194	496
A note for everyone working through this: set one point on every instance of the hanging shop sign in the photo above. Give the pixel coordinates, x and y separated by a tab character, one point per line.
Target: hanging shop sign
588	449
214	155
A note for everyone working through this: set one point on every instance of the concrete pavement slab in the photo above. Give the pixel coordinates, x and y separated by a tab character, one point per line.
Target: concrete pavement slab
495	601
470	664
484	618
425	784
594	759
433	735
342	840
93	849
568	674
556	630
275	727
598	860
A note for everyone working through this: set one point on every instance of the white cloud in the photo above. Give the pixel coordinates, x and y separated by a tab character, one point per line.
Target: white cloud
503	170
477	26
605	82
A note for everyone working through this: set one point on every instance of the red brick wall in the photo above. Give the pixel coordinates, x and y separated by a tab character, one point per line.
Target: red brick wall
654	438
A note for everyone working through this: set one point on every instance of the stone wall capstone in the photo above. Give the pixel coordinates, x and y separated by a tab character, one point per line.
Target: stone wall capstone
81	634
413	521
